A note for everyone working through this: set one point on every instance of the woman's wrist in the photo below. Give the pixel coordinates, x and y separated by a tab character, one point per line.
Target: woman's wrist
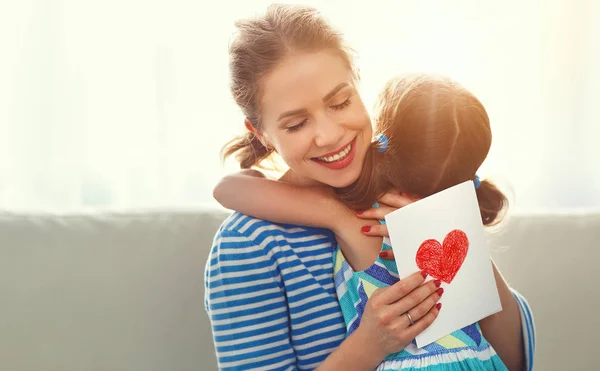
354	353
371	355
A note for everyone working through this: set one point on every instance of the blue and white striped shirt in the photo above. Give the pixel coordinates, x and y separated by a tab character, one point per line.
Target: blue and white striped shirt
271	298
270	295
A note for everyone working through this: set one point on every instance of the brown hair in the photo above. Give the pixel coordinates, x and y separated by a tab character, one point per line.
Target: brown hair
438	136
260	44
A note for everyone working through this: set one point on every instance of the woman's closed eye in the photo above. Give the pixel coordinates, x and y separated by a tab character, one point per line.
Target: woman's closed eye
298	126
342	105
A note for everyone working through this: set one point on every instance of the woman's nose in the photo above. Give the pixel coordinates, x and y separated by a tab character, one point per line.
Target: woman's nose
329	132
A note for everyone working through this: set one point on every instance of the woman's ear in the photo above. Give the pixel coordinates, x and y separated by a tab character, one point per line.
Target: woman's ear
259	134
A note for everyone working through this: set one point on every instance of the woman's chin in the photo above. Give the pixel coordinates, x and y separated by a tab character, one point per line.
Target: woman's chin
342	180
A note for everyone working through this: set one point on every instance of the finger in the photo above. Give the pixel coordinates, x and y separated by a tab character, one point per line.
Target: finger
395	200
402	288
387	254
425	306
377	230
378	213
384	231
423	323
418	296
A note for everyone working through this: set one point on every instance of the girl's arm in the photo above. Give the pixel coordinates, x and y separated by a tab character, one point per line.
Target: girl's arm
511	331
250	193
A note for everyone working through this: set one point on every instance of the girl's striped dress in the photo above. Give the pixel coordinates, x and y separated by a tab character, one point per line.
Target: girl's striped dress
465	349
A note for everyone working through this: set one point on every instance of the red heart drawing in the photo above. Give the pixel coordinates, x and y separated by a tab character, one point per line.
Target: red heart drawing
443	261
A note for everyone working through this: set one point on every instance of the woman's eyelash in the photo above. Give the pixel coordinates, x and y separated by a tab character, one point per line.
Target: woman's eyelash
291	129
342	105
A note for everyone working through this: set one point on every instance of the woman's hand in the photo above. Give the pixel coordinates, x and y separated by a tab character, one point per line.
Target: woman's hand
395	315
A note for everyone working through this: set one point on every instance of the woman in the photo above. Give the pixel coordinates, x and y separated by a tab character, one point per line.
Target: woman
433	134
269	287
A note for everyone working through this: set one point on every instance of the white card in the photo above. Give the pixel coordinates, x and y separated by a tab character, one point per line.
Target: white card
418	232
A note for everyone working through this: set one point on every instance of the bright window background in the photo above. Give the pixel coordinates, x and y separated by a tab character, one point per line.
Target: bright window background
126	103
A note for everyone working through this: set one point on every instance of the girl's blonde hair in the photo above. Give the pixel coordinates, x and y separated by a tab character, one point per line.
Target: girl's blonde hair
438	136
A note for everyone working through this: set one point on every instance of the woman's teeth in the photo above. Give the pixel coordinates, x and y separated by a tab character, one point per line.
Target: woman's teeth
338	156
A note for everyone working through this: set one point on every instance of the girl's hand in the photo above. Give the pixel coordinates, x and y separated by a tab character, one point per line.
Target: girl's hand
389	202
385	327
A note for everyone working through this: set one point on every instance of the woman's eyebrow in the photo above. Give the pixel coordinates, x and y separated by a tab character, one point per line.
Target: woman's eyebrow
334	91
295	112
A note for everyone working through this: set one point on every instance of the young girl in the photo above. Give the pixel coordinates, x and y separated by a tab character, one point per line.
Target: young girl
433	134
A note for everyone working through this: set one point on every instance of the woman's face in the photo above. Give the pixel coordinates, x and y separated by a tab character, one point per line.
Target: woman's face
313	116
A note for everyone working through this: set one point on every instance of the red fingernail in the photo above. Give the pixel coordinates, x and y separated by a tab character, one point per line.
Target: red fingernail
383	254
440	291
437	283
359	212
366	228
424	274
438	306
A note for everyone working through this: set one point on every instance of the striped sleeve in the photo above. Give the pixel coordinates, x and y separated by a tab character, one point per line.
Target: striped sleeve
246	306
528	329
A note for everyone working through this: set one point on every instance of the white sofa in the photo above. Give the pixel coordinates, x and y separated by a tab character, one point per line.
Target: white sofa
124	291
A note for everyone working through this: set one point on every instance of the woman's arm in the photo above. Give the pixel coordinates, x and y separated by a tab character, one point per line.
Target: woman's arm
240	319
250	193
235	310
384	328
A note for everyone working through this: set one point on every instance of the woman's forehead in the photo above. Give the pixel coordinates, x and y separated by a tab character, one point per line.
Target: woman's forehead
302	79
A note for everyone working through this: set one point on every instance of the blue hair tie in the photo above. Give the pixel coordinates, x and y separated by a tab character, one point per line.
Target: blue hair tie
476	182
383	142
